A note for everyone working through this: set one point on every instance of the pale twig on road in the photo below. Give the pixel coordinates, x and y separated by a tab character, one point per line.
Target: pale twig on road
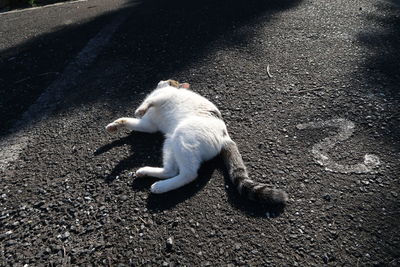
268	71
142	220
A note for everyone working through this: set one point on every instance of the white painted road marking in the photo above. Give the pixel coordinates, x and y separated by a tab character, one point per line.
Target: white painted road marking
11	146
320	150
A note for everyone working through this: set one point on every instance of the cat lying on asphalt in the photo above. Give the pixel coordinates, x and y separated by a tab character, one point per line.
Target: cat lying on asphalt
194	132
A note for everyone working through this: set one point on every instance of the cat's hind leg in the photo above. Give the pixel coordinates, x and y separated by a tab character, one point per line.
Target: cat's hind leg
132	124
170	168
183	178
188	163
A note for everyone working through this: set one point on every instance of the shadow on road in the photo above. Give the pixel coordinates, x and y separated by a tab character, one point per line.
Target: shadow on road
145	149
142	145
382	67
169	200
381	73
160	38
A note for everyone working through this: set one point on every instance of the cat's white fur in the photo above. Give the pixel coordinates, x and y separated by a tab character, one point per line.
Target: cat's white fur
193	133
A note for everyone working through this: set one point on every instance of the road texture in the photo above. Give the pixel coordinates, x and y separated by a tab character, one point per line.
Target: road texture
36	45
309	91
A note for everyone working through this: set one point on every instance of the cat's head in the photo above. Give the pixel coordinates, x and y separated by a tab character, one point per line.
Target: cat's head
173	83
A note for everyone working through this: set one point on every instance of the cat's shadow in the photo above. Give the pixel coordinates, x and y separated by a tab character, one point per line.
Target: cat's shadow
145	150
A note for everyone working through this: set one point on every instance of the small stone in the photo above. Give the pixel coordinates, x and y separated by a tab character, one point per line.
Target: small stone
327	197
6	234
10	243
170	243
66	235
325	258
165	264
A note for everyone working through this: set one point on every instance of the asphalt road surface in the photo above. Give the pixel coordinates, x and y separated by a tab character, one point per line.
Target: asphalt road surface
309	91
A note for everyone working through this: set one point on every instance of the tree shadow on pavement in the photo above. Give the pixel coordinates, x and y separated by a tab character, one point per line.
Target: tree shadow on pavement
165	37
380	71
27	69
159	39
382	66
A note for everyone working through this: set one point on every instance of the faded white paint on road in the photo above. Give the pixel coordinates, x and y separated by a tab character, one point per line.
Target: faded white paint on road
12	145
320	150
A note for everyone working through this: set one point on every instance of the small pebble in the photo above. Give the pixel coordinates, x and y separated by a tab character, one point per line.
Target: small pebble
327	197
170	243
325	258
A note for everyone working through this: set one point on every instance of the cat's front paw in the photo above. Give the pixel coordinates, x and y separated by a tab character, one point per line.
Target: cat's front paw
116	125
112	127
158	188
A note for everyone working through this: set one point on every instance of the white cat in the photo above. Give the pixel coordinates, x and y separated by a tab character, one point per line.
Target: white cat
194	132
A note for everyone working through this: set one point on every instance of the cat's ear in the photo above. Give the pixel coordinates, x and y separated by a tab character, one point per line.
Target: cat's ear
184	85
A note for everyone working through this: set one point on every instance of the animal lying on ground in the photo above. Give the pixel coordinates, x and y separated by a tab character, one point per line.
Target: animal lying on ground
194	132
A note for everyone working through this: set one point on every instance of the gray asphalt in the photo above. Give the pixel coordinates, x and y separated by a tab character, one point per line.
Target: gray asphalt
21	26
38	44
308	89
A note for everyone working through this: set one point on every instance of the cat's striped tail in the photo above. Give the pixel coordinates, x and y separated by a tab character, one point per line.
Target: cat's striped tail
248	188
